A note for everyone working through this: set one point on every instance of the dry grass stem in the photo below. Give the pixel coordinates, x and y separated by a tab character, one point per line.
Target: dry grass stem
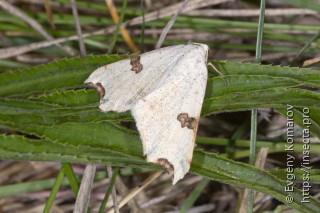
83	51
84	193
249	12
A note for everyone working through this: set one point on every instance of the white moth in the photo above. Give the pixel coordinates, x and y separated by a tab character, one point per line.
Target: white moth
164	90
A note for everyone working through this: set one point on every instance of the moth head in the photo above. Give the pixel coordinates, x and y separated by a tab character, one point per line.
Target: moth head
205	47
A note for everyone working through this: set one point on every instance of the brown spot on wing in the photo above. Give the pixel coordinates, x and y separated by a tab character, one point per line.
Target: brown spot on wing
98	87
165	164
186	121
136	65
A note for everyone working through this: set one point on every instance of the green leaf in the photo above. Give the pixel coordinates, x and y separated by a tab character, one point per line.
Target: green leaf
278	98
54	192
68	97
223	85
58	74
58	116
99	135
72	178
21	148
304	76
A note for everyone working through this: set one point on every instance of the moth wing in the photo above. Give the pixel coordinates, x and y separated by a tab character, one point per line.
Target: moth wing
167	118
123	83
158	87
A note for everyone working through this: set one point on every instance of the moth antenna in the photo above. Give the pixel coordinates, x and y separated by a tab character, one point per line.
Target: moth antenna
215	69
